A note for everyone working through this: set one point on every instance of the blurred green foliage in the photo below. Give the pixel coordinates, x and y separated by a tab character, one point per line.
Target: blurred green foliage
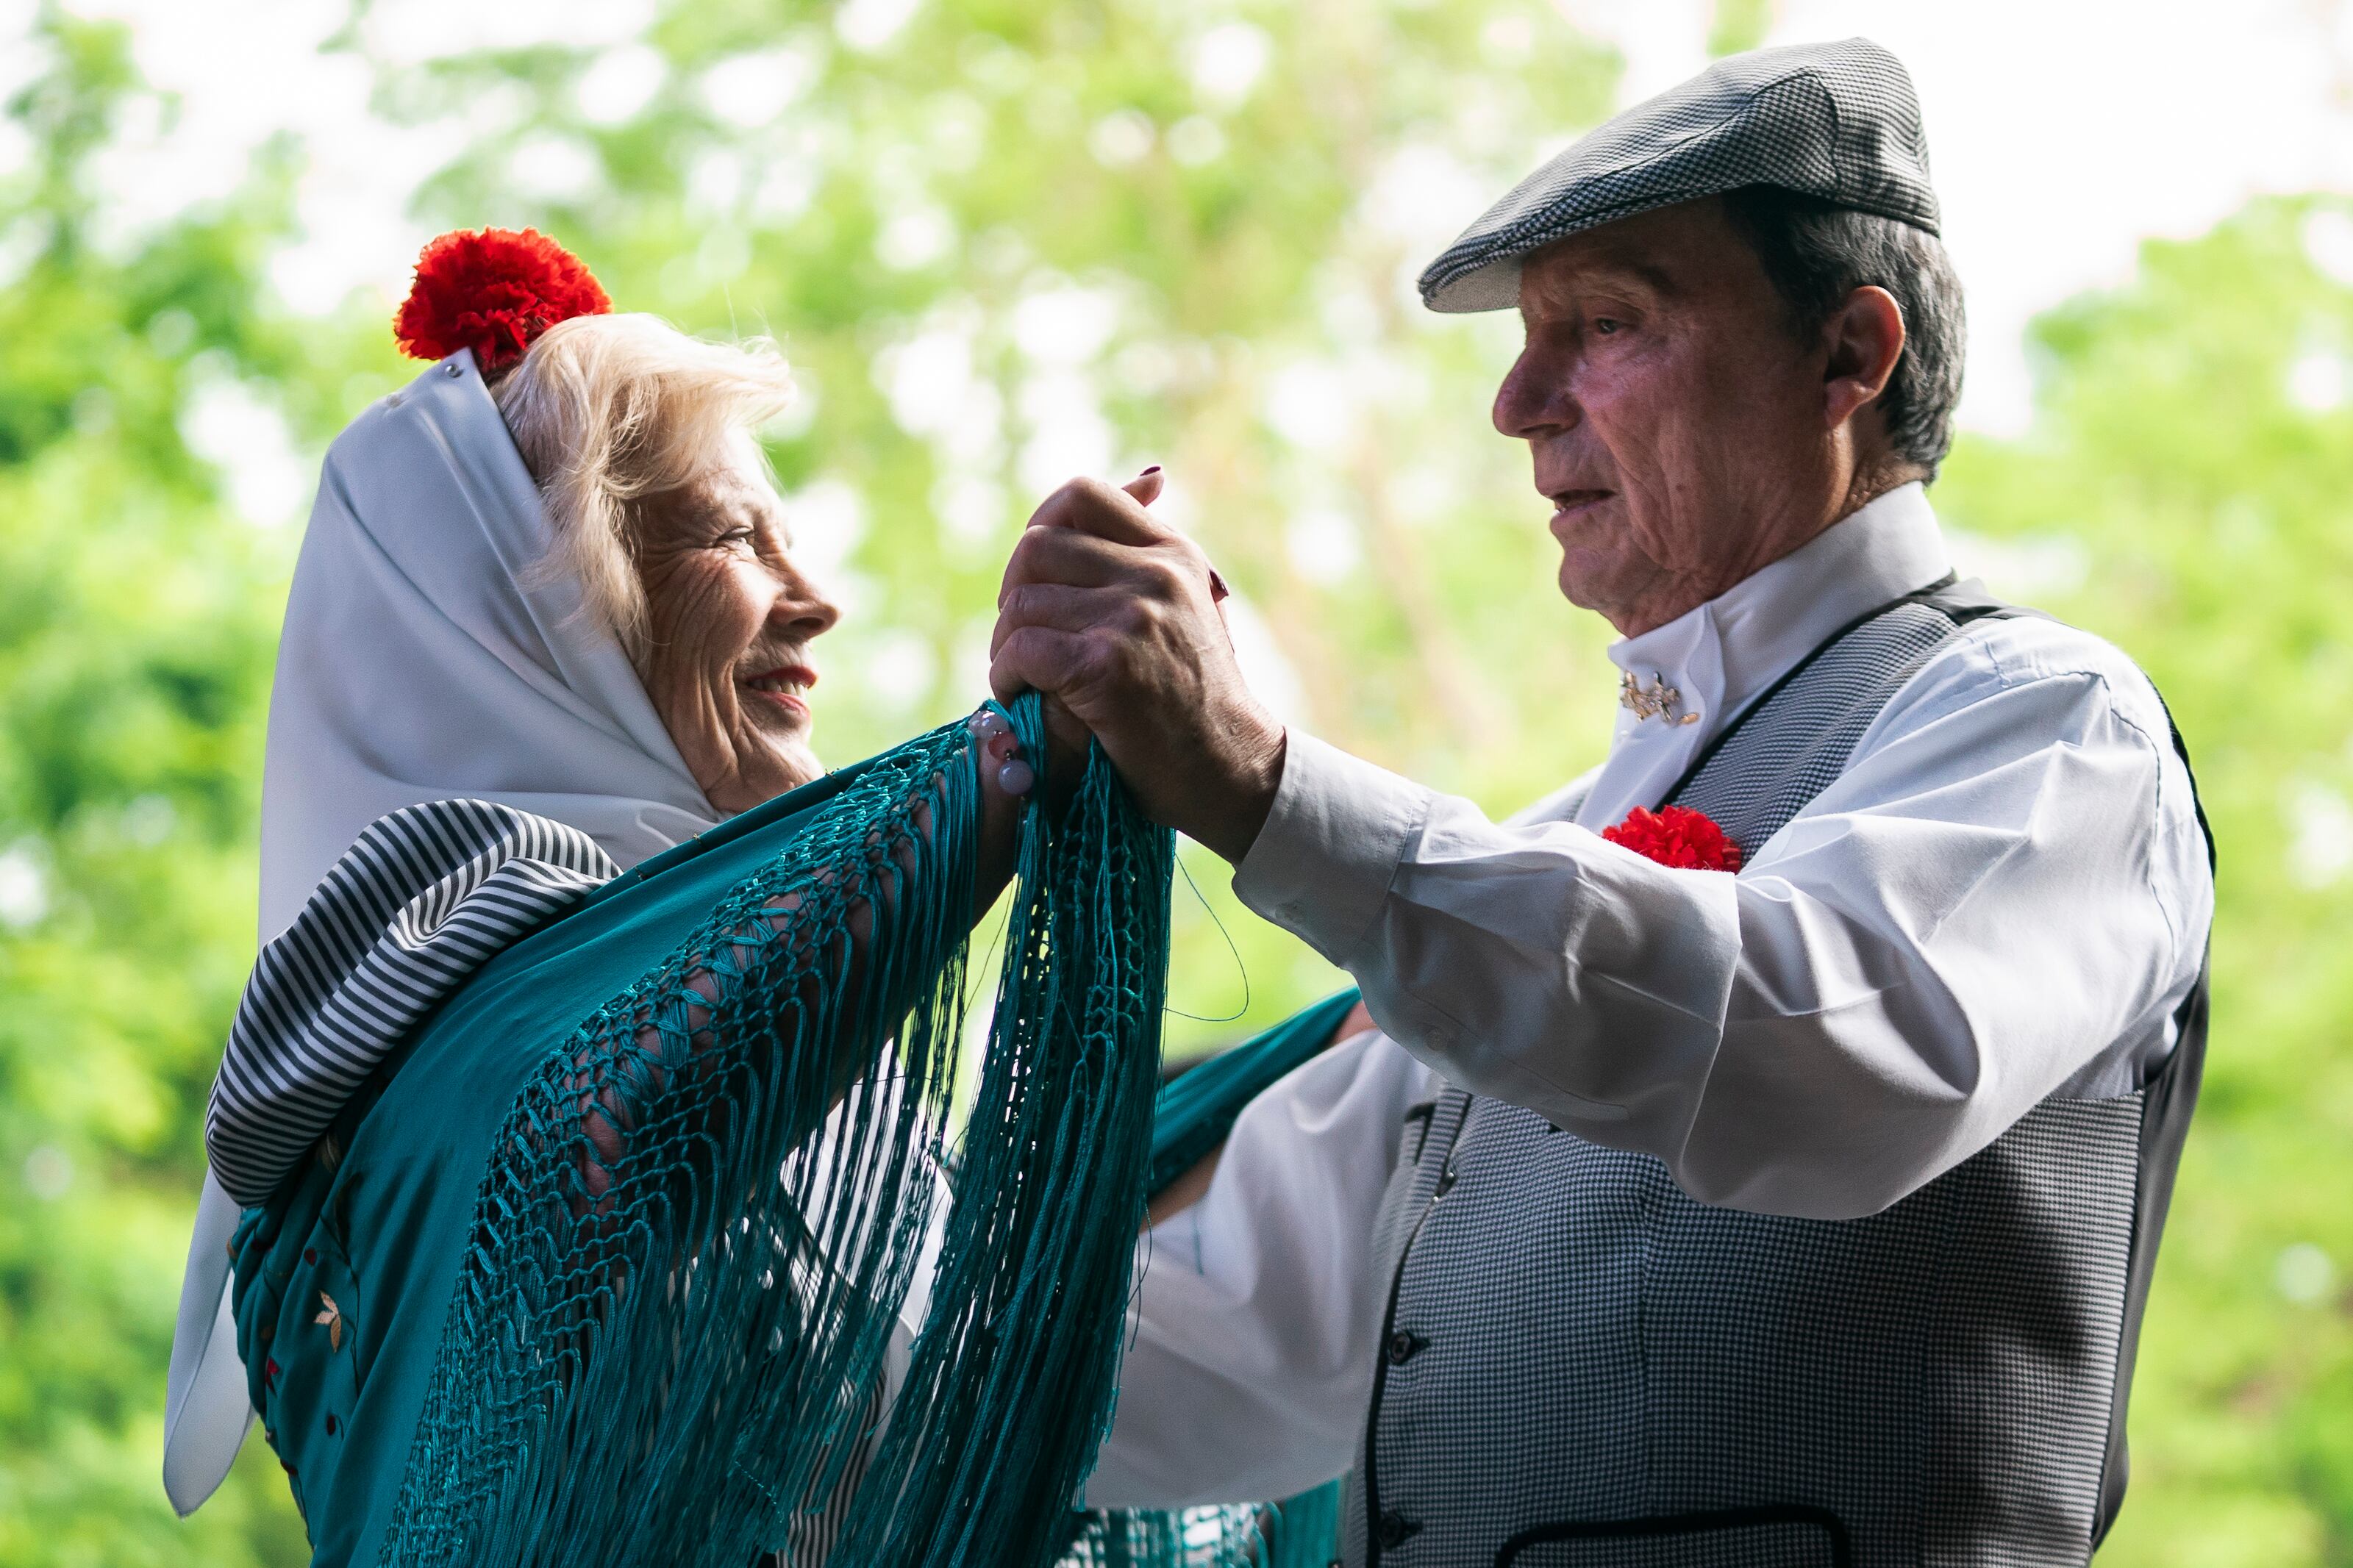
1004	243
2190	480
136	624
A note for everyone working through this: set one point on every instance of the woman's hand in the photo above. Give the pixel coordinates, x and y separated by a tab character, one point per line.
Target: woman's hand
1001	806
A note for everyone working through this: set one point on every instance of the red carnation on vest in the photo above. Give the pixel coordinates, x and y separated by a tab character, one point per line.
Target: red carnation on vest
493	291
1679	837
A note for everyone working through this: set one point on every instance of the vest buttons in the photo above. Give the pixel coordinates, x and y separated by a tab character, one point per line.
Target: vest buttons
1445	1183
1396	1530
1403	1346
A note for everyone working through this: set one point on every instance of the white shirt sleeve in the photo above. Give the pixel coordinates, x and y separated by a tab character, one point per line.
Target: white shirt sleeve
2004	897
1251	1350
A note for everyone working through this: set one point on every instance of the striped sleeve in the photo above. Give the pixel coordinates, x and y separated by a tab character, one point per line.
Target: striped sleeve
426	896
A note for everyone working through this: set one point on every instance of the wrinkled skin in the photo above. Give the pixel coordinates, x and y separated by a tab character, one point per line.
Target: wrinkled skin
725	662
1685	435
730	618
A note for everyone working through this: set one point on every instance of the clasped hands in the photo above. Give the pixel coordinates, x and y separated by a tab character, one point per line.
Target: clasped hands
1116	617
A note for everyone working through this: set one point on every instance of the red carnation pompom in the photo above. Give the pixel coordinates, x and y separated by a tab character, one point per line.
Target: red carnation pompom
493	291
1679	837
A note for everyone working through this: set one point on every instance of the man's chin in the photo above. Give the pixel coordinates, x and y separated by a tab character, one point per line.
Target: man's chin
1578	586
1587	562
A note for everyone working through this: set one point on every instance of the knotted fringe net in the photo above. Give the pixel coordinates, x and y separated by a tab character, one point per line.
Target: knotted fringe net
1302	1532
1193	1115
666	1342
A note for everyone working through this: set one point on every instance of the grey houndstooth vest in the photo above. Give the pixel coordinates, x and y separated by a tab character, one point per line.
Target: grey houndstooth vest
1581	1367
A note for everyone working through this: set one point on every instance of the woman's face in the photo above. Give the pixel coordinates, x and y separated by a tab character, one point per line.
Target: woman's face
728	621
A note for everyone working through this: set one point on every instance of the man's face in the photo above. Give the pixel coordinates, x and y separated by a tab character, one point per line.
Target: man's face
1677	425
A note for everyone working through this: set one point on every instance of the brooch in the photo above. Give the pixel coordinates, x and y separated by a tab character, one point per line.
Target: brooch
1654	701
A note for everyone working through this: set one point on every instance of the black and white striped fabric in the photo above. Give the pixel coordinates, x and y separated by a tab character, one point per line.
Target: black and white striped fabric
1582	1367
426	896
1835	121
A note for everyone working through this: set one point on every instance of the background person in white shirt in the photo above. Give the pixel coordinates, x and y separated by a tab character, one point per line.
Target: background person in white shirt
1837	1250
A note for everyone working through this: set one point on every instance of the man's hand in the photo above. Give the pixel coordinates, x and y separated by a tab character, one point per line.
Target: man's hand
1115	618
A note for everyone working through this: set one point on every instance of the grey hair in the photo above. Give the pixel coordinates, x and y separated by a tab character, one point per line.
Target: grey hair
608	410
1816	254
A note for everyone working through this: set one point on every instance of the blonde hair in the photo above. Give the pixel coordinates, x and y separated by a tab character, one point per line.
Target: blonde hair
608	410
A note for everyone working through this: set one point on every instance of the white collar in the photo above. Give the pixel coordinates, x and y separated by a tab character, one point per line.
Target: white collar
1714	657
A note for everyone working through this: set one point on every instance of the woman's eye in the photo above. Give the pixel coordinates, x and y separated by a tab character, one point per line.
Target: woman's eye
734	536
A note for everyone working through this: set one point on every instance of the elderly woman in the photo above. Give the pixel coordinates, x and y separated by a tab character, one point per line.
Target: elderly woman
571	1148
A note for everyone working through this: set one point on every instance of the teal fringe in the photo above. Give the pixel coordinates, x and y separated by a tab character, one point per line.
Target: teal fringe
1010	1388
1302	1532
1197	1109
662	1350
1192	1116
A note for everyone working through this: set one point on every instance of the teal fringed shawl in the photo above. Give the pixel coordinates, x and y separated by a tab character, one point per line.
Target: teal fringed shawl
586	1278
1193	1115
612	1276
1197	1109
671	1324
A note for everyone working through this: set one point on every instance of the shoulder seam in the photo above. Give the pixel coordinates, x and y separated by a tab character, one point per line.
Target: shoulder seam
2007	680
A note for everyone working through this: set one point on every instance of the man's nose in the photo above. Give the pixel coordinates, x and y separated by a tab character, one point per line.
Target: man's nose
1533	400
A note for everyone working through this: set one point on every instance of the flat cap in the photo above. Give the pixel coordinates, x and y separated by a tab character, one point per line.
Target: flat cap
1834	121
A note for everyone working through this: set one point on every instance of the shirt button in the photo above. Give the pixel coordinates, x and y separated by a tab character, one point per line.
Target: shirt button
453	370
1403	1345
1397	1530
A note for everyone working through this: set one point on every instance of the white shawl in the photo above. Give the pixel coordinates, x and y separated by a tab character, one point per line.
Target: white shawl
421	662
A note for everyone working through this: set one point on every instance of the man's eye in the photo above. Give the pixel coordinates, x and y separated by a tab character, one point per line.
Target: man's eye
1606	325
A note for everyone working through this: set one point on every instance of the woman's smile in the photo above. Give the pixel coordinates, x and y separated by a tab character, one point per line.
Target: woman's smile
786	687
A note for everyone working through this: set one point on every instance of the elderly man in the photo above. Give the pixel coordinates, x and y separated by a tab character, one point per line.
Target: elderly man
1800	1215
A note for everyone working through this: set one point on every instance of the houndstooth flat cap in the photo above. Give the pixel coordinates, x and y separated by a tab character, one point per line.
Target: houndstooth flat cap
1835	121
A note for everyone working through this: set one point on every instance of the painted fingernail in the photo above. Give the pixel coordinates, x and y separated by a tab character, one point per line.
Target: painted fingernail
1217	589
1016	777
1154	470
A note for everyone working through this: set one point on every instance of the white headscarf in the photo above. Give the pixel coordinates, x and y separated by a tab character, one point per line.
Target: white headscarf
421	661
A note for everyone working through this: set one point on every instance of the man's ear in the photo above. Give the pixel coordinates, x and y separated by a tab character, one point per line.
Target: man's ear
1864	337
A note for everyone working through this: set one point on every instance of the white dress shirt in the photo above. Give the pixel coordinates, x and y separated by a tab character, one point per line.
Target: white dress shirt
2004	897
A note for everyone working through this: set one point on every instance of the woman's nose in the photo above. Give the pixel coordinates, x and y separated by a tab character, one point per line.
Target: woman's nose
802	610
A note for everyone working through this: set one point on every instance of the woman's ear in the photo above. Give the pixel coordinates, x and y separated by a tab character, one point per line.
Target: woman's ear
1865	338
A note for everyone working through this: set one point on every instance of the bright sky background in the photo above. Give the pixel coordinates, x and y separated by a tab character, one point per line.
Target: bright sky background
2062	130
